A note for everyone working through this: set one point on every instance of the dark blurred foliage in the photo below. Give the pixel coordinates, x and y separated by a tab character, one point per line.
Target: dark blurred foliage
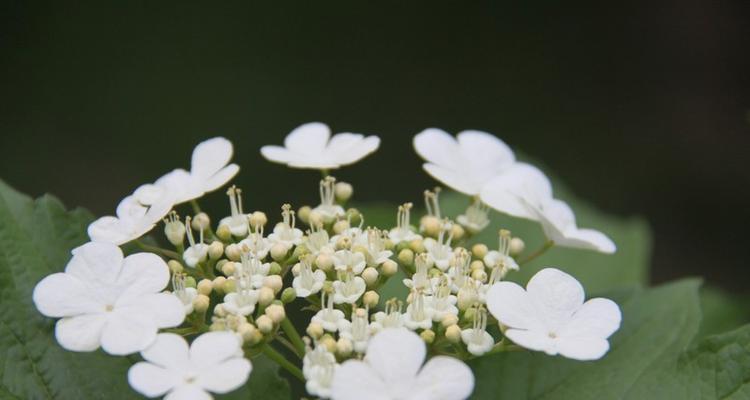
641	107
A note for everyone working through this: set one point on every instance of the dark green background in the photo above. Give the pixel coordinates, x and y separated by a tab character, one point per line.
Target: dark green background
642	107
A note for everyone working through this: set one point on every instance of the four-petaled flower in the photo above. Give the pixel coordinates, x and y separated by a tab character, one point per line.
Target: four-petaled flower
214	363
551	316
109	301
312	146
392	369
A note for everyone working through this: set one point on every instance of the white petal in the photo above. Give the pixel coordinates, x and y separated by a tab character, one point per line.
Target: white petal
355	380
310	138
213	348
80	333
596	318
127	332
63	295
396	355
180	185
443	378
163	309
221	178
226	376
149	194
516	189
151	380
130	209
355	152
556	296
582	348
96	262
169	350
532	340
276	154
510	305
485	149
586	239
109	229
210	156
438	147
455	179
143	273
188	392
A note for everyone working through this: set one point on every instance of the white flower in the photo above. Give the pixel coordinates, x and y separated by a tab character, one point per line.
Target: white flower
477	340
308	282
500	261
318	367
109	301
359	331
391	318
512	191
311	146
550	316
403	232
197	252
237	222
285	232
559	224
208	171
256	245
475	218
349	289
328	209
328	317
440	251
442	303
317	242
213	363
133	220
373	241
418	315
392	369
465	163
347	260
185	294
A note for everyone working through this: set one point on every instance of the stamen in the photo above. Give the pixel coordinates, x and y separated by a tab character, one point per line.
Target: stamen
431	202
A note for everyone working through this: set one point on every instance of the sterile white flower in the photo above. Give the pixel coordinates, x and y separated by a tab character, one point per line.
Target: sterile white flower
512	191
311	146
559	225
208	171
109	301
133	220
465	163
213	363
551	316
392	369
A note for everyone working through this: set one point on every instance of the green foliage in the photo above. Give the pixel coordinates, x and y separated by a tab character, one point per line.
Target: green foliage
36	237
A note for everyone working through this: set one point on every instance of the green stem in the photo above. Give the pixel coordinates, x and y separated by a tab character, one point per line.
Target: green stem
196	207
293	336
159	250
546	246
283	362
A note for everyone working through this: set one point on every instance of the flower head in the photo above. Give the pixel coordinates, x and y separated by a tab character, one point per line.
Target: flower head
550	315
465	163
392	369
109	301
213	363
311	146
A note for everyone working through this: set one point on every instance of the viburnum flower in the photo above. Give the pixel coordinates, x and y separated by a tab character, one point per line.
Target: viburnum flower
500	261
440	251
237	222
392	369
197	251
208	171
403	232
285	232
308	282
475	218
318	367
311	146
347	260
213	363
329	318
551	316
477	340
465	163
348	289
390	318
184	293
109	301
559	225
358	331
511	192
328	210
133	220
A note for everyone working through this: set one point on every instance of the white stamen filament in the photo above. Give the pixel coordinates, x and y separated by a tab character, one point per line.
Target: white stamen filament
432	203
480	324
178	287
327	193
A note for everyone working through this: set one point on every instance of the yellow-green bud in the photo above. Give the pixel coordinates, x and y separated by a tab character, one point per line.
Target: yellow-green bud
371	299
430	225
201	303
477	265
479	275
265	296
276	313
274	268
453	334
479	250
344	347
329	342
175	266
389	268
288	295
201	221
428	336
258	219
324	261
265	324
247	331
406	257
233	252
449	320
469	314
205	286
388	243
230	285
278	252
216	250
370	275
417	246
458	232
228	268
516	246
190	282
315	330
304	213
218	283
315	219
295	269
340	226
274	282
343	191
224	233
353	216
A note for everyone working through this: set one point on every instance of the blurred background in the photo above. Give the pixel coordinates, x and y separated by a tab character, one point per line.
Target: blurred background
643	108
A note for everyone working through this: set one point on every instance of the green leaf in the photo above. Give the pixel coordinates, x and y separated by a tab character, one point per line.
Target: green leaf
722	311
658	325
264	383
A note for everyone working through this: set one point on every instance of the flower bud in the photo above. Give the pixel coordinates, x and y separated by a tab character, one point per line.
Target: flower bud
343	191
406	257
218	283
174	230
288	295
428	336
516	246
340	226
230	285
258	219
479	275
344	347
190	282
201	221
324	261
458	232
388	243
278	252
315	330
175	267
303	213
370	275
219	311
201	303
205	286
371	299
295	269
328	342
215	250
453	334
449	320
233	252
265	296
430	225
224	233
417	246
353	216
479	250
276	313
466	298
274	268
343	243
477	265
315	219
217	326
247	331
469	314
389	268
228	268
274	282
265	324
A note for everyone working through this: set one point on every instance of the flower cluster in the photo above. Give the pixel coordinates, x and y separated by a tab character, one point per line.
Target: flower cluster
228	285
